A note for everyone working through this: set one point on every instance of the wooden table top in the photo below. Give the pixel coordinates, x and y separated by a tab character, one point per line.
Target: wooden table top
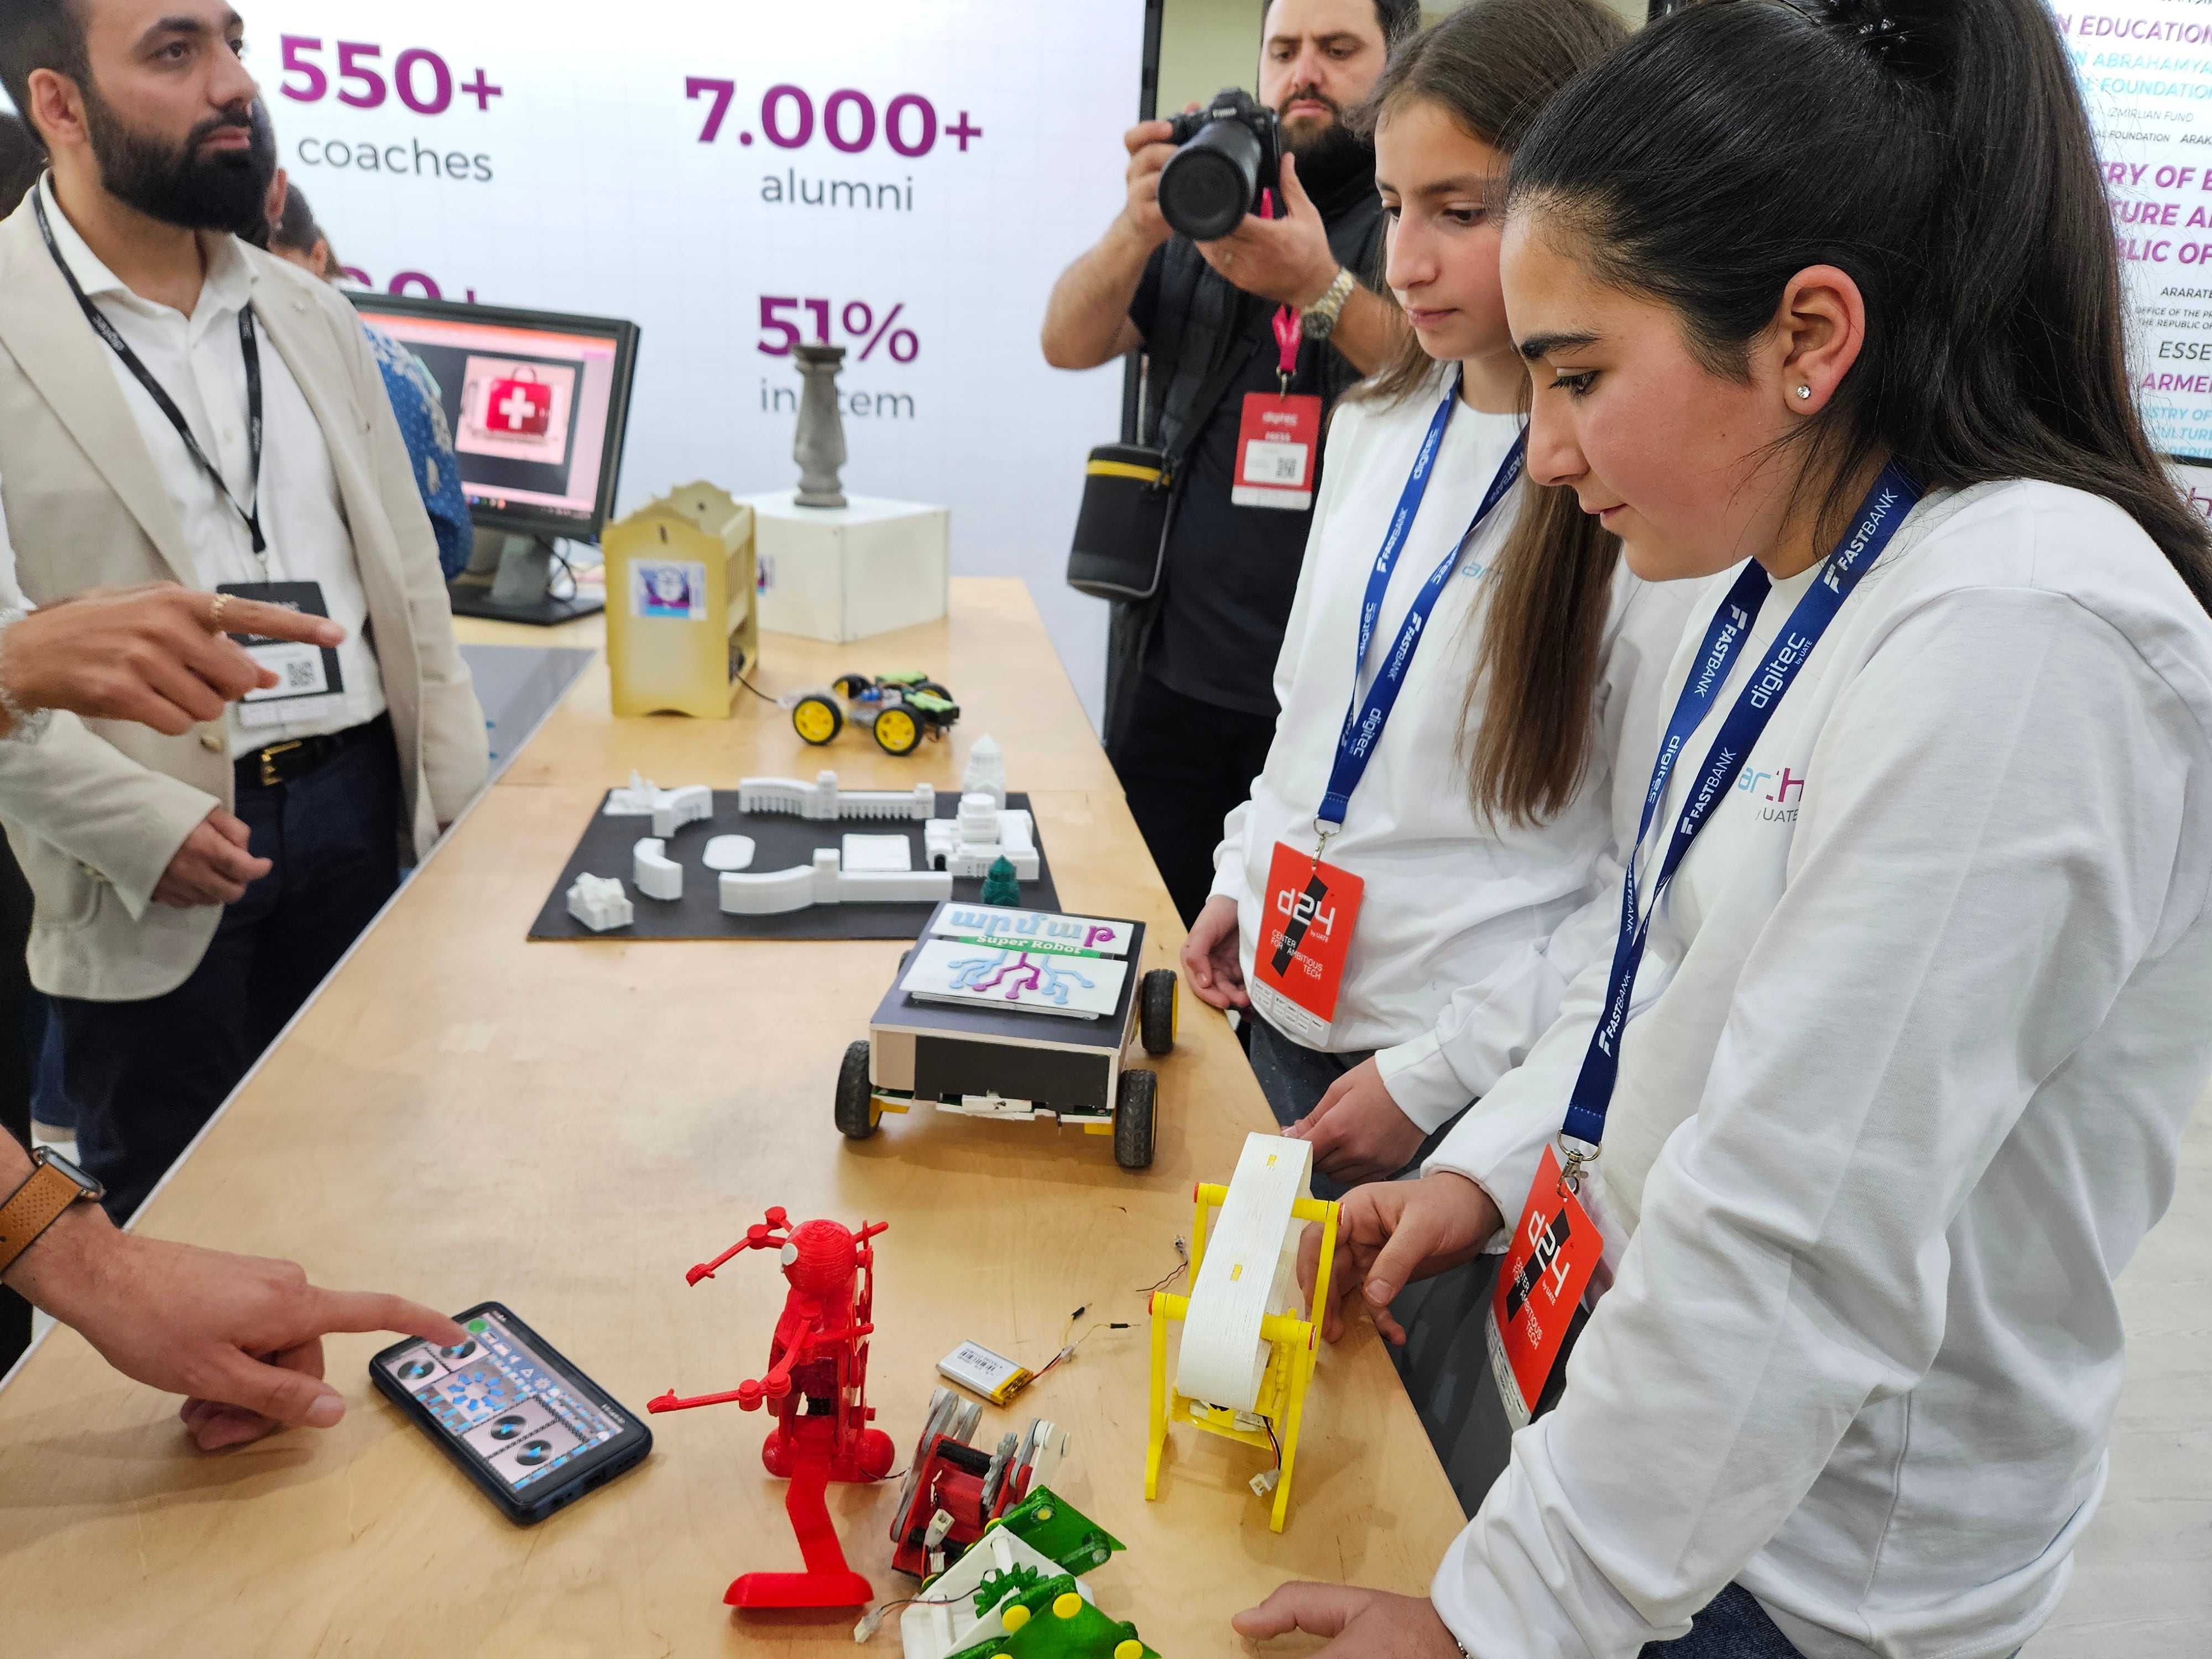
462	1115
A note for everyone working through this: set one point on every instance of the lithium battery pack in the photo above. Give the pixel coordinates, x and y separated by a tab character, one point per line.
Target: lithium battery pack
975	1367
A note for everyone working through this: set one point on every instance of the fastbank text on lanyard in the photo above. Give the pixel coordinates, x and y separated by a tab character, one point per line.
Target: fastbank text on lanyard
251	516
1556	1246
1311	905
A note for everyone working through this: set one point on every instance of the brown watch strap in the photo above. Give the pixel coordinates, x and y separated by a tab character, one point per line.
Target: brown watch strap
34	1207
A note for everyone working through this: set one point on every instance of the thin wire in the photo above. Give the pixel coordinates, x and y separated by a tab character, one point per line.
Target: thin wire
1068	1348
755	690
1183	1252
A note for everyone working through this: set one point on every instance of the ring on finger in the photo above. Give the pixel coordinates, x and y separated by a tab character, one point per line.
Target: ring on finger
214	613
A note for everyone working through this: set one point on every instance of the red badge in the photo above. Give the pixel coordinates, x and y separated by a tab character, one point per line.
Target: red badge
1540	1284
1305	929
1277	443
518	408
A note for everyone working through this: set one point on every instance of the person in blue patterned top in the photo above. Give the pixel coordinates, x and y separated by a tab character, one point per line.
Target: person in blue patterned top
416	398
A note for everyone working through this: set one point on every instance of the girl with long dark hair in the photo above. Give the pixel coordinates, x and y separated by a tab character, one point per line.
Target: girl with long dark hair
1452	704
1884	1079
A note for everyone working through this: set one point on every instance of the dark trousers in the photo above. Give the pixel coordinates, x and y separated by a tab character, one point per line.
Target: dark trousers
1184	765
146	1076
1732	1626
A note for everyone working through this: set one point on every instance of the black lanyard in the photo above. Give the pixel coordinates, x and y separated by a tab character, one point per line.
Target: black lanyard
251	516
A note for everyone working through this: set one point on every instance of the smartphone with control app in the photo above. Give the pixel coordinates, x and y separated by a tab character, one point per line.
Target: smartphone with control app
523	1423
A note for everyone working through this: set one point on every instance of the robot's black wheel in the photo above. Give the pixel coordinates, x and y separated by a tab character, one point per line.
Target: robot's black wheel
857	1111
1136	1104
1156	1012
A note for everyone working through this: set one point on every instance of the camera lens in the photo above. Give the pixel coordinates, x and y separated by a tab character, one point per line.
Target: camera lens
1208	185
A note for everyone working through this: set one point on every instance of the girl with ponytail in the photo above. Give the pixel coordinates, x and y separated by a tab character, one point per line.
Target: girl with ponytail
1884	1080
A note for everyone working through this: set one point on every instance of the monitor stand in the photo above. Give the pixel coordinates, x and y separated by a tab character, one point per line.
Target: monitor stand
518	588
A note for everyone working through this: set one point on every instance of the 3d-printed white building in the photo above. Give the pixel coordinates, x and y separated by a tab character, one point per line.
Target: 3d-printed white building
669	809
599	903
982	834
826	882
656	874
987	771
822	800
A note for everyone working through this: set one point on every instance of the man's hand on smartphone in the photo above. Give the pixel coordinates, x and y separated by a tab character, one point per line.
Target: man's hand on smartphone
239	1336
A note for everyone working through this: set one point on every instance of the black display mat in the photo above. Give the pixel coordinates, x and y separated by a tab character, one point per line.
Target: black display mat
779	840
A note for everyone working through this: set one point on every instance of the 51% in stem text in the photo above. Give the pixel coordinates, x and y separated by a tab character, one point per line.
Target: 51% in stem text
780	331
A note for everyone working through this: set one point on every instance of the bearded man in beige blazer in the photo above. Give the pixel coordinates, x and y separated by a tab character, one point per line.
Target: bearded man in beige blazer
177	406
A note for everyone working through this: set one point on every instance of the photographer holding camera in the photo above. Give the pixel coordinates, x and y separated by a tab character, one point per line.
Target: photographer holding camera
1251	335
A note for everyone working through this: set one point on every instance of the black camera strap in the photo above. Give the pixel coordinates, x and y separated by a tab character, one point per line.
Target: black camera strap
250	516
1206	406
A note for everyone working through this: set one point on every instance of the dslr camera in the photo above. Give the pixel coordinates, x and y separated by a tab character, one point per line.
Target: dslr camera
1229	152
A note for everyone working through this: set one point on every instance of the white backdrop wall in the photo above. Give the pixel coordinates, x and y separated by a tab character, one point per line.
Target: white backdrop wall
927	245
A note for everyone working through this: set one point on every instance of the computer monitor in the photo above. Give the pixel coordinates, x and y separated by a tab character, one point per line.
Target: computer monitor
537	403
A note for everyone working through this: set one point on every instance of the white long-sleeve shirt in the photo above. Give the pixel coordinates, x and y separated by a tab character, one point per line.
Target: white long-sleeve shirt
1921	1020
1454	969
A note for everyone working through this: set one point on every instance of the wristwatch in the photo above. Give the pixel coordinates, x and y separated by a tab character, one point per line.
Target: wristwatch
55	1184
1319	320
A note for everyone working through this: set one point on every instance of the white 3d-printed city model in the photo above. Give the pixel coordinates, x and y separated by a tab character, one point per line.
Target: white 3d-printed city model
862	869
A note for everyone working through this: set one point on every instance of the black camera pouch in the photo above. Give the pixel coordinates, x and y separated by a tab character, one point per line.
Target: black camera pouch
1122	533
1129	495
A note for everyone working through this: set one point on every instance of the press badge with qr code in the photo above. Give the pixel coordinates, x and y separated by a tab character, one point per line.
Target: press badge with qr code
1277	441
302	671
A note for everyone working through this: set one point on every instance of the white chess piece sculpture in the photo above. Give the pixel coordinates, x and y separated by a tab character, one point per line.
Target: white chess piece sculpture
599	903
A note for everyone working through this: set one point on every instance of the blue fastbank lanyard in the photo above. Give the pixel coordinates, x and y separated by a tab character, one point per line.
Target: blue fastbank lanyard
1364	721
1891	498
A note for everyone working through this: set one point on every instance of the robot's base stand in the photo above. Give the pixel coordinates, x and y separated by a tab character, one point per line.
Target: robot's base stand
800	1589
828	1581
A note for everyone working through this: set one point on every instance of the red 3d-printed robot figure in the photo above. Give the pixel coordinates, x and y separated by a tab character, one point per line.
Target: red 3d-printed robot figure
817	1385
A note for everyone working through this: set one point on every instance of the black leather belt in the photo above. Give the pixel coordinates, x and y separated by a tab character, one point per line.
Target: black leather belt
281	762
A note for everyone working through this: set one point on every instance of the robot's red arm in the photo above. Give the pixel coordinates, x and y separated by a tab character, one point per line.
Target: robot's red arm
669	1402
761	1235
706	1269
796	1336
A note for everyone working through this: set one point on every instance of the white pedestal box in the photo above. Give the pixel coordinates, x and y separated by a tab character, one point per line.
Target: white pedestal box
843	573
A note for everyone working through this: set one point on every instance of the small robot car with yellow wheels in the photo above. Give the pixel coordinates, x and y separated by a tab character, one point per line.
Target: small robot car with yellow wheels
902	710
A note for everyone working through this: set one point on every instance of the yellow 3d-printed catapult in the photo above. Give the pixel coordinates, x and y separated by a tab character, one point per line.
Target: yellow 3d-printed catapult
1245	1360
